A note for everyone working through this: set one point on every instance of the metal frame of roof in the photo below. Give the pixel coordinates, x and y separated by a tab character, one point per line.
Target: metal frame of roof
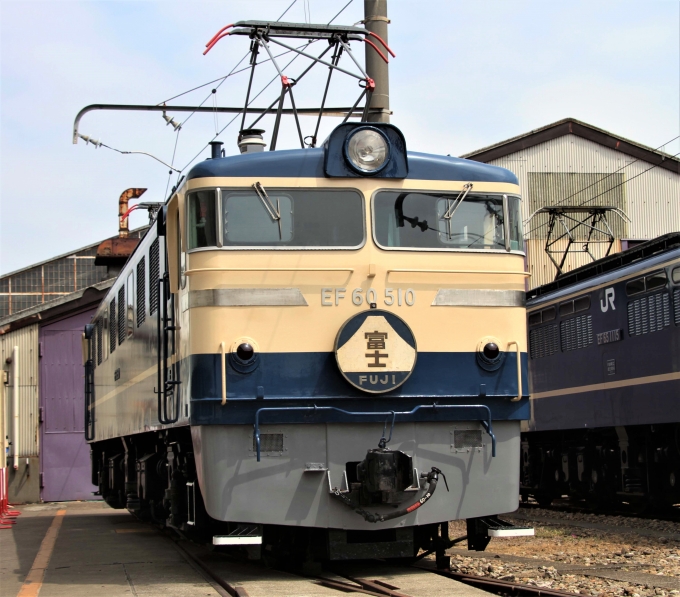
57	308
571	126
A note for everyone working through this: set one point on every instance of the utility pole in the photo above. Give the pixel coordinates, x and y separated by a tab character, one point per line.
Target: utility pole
375	20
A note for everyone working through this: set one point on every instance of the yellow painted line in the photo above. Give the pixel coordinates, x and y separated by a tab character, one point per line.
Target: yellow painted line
35	576
609	385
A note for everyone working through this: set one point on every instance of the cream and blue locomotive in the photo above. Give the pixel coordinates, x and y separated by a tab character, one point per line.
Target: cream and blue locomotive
306	341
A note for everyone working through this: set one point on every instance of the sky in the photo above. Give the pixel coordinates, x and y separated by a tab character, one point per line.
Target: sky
466	75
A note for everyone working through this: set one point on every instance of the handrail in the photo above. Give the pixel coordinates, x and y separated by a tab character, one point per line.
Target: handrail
486	423
224	373
89	353
165	384
519	371
457	271
201	270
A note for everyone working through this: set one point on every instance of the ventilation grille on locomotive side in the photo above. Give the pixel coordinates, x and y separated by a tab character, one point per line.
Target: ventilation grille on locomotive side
649	314
544	341
577	332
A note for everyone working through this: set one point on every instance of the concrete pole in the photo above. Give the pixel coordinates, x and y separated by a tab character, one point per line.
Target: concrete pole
15	407
375	20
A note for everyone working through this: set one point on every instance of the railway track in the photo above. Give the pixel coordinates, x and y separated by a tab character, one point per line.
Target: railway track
376	578
647	512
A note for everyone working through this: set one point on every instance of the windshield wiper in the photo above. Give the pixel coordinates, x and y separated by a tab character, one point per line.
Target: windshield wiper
268	205
401	218
455	204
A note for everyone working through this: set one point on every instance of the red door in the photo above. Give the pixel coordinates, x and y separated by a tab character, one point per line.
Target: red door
64	454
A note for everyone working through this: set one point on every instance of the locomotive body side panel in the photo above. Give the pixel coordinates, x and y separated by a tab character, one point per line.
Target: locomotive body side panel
615	378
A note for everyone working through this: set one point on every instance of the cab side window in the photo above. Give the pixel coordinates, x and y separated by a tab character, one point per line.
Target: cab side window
202	222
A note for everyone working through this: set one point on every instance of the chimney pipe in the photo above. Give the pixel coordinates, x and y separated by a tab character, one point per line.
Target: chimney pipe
123	229
215	150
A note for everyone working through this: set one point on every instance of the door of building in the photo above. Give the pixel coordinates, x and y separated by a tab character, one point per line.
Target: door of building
64	454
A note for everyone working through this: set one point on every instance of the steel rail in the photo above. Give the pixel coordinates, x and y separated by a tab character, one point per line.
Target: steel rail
499	587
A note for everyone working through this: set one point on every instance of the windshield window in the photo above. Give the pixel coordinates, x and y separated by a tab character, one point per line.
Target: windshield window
292	218
441	221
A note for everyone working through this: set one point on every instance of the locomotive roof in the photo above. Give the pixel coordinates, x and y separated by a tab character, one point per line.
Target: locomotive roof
309	163
650	253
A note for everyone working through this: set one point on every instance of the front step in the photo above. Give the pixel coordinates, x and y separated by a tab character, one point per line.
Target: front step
243	534
481	530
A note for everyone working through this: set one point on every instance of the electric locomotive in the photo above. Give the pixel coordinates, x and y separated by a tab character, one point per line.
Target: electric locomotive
604	344
306	341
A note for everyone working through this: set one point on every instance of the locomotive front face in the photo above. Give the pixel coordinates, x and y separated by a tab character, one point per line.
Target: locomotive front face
351	328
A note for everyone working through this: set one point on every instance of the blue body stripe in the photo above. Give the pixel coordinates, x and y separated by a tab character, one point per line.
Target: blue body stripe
645	404
306	378
309	163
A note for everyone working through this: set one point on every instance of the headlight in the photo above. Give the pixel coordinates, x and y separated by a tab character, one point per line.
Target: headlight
367	150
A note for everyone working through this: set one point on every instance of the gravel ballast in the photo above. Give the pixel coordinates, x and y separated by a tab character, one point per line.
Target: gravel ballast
581	553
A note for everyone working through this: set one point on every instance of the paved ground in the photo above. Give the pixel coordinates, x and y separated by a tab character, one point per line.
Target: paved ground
97	551
81	549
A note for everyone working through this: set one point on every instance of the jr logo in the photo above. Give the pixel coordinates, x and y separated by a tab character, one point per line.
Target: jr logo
607	300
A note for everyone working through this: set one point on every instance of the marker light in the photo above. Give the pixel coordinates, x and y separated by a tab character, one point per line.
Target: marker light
491	351
245	351
367	150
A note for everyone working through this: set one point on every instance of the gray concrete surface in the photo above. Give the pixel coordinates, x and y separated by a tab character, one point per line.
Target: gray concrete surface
99	551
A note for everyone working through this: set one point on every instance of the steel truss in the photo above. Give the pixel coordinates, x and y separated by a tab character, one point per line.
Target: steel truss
566	219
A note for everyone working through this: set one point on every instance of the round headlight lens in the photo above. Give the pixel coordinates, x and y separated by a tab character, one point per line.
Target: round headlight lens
368	150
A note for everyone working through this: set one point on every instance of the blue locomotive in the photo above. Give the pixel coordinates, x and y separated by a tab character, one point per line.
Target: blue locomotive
604	362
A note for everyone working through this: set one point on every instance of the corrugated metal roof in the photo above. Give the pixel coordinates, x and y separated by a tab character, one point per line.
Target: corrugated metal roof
67	298
581	129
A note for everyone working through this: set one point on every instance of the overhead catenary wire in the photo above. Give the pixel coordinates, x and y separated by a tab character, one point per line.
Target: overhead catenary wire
172	163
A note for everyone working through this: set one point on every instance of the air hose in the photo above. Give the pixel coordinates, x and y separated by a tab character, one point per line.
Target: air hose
432	477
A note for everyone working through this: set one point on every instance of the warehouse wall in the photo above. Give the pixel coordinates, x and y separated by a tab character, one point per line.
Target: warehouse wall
27	340
553	173
24	484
